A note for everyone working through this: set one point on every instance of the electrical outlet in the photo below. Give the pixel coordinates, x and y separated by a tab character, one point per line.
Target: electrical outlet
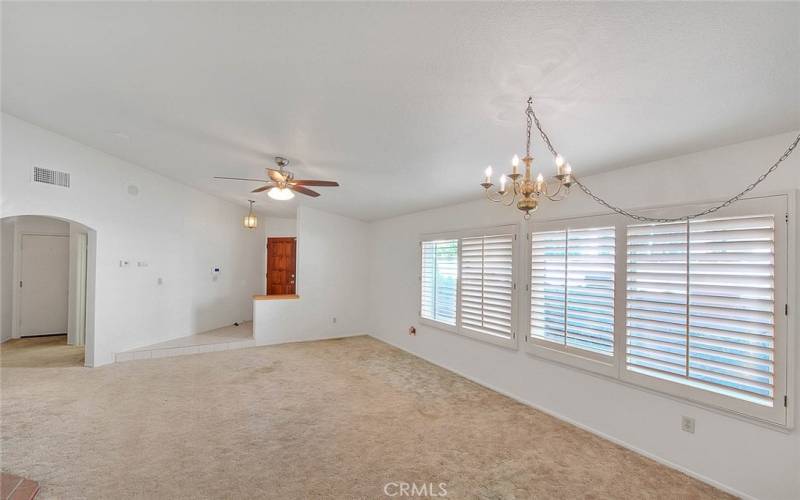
687	424
333	320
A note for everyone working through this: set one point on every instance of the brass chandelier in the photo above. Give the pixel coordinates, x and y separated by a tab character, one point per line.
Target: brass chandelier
526	191
522	188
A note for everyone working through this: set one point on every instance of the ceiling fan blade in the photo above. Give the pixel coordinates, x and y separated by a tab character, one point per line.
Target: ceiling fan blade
239	179
263	188
275	175
311	182
305	191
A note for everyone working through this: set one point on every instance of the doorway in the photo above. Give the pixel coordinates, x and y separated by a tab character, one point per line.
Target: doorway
281	262
43	285
47	288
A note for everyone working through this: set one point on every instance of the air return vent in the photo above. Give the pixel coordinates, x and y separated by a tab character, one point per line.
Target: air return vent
47	176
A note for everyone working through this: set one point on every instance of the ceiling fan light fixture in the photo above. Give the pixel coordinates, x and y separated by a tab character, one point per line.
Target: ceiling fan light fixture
280	194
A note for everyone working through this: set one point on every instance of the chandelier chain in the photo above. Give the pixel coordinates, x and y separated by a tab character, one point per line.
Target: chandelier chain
528	114
531	114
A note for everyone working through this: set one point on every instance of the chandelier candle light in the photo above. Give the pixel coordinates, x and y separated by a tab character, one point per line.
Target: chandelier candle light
522	188
530	191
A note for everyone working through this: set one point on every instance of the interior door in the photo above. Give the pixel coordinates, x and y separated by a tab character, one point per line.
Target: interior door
281	260
44	284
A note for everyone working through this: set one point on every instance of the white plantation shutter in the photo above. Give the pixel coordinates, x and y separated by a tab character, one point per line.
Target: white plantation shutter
731	306
439	278
487	285
572	288
590	289
656	298
701	304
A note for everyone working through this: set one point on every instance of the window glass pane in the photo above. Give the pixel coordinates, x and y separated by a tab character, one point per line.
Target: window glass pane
548	285
439	280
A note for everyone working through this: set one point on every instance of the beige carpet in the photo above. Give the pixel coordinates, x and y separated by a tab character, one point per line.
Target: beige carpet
328	419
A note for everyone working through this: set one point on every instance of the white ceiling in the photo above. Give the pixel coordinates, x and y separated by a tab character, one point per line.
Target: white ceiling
403	103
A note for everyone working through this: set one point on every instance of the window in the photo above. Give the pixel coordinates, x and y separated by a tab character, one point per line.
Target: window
487	285
701	302
696	310
439	280
468	284
572	288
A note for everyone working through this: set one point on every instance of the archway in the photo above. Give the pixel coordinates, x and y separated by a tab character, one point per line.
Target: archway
28	243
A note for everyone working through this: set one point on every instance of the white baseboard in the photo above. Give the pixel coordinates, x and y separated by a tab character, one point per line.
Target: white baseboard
652	456
267	342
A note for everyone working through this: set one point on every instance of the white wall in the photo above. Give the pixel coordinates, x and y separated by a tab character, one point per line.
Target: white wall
740	456
179	232
332	257
278	227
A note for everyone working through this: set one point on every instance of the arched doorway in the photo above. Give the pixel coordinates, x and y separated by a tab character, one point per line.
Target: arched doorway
47	275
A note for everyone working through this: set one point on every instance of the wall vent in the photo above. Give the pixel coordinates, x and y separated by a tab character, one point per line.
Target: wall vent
47	176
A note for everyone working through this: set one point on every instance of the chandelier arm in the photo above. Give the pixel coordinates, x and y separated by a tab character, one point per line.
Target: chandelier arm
500	197
560	198
491	198
511	200
554	196
532	116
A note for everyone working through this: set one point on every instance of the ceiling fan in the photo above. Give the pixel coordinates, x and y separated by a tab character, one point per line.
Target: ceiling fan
281	183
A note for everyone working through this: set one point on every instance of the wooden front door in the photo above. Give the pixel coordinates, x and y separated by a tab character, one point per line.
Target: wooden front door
281	258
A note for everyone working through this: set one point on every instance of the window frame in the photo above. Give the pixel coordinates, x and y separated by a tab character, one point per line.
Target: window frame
580	358
777	414
513	229
777	417
431	321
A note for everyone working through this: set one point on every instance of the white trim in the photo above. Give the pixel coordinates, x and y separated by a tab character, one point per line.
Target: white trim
580	358
792	299
624	444
263	343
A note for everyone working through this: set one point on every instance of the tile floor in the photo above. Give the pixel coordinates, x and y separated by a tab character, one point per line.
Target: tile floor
221	339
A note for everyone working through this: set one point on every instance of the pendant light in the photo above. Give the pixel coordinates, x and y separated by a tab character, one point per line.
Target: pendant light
250	220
